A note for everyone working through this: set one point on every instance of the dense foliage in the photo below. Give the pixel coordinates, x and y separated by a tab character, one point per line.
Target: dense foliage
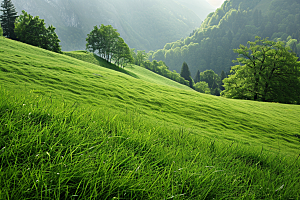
32	30
202	87
7	18
235	23
213	80
107	43
267	71
139	57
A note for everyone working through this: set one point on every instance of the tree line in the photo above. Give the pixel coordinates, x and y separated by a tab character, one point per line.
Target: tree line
267	71
206	82
28	29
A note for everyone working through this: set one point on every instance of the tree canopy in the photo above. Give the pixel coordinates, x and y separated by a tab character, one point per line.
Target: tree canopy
107	43
8	18
32	30
202	87
267	71
213	81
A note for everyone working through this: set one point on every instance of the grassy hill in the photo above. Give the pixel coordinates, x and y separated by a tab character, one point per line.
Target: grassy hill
70	129
132	70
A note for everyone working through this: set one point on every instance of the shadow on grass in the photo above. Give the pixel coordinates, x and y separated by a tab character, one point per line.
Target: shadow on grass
109	65
94	59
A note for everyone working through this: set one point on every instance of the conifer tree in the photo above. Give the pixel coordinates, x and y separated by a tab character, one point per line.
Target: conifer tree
185	71
186	74
197	77
222	77
8	18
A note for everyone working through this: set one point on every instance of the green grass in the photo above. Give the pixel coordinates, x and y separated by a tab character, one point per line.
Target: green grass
74	130
133	70
94	59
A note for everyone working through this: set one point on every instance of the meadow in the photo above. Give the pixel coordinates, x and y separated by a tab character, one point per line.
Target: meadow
71	129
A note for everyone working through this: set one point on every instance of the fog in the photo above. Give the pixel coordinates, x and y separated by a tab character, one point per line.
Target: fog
144	25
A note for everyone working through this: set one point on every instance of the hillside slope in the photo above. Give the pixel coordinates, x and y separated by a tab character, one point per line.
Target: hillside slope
144	25
132	70
236	22
29	68
74	130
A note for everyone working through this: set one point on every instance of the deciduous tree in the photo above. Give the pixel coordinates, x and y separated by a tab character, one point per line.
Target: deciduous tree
106	42
202	87
267	71
32	30
122	54
140	57
213	80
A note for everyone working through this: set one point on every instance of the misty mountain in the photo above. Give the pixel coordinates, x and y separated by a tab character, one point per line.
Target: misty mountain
236	22
200	7
144	25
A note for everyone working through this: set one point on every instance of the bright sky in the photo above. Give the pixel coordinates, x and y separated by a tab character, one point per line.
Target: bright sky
215	3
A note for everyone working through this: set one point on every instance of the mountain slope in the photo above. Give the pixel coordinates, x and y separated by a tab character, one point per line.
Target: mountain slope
235	23
144	25
200	7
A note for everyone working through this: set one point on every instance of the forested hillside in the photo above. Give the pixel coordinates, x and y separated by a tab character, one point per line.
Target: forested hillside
144	25
235	23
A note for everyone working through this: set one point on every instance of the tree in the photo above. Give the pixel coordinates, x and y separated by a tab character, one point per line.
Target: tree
1	31
210	77
104	41
140	57
267	71
107	43
122	54
202	87
222	77
133	54
186	74
32	30
197	77
8	18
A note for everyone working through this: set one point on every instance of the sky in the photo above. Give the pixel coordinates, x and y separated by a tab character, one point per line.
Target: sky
215	3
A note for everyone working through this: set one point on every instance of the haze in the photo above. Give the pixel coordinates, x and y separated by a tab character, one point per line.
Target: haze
215	3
